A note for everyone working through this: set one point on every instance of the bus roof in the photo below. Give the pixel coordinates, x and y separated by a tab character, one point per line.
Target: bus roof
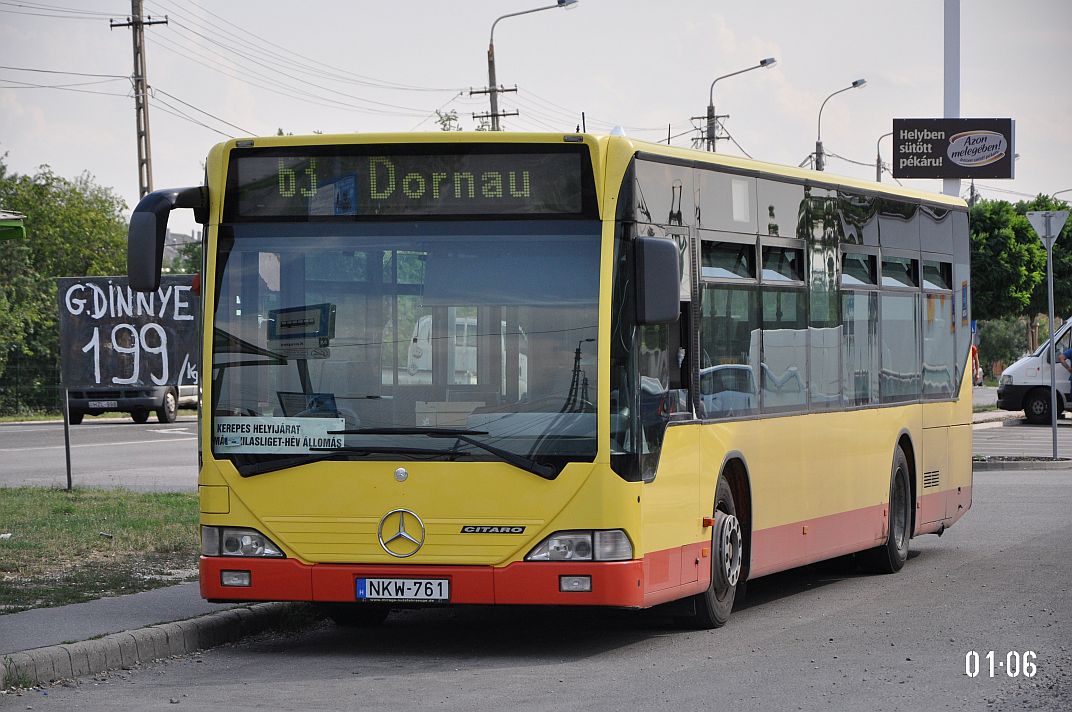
601	143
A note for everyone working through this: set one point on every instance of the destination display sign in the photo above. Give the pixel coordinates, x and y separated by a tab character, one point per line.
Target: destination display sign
953	148
374	181
113	336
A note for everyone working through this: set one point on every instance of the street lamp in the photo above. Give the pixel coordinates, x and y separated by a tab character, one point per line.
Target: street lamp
819	133
878	157
493	87
1054	196
711	138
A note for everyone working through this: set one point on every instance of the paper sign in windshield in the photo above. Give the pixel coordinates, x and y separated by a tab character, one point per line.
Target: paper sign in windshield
274	436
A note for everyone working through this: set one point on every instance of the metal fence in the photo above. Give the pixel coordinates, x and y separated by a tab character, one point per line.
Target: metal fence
30	385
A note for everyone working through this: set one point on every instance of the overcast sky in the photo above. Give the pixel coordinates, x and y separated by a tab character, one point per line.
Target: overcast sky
232	68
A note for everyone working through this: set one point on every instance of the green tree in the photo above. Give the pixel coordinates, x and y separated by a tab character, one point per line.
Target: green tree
1008	263
187	259
1062	261
74	227
448	120
1001	341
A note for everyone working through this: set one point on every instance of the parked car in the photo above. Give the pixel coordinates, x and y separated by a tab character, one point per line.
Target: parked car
1025	385
139	401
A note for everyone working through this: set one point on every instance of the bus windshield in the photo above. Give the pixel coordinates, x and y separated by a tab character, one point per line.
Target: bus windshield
358	340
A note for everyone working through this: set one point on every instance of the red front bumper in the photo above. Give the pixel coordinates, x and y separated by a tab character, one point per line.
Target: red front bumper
615	583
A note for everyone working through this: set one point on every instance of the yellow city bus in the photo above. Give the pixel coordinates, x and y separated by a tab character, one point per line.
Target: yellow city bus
729	369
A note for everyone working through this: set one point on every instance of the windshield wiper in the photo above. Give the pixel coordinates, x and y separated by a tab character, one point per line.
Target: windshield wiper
548	472
319	454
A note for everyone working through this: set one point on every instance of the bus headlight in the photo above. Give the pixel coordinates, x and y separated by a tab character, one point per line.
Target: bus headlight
1005	380
600	545
232	541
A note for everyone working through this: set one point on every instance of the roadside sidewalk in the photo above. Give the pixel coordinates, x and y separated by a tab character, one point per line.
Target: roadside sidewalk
44	645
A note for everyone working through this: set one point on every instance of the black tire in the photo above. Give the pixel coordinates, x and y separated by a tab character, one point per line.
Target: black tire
712	607
891	556
74	417
169	407
140	416
1037	406
356	615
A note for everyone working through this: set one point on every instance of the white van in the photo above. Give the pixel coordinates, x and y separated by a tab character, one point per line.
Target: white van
464	342
1025	385
464	339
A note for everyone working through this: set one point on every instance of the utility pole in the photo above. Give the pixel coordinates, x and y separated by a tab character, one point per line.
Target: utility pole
141	93
494	91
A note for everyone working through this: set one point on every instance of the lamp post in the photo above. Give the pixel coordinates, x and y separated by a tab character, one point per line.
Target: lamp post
711	137
819	165
878	157
493	87
1054	196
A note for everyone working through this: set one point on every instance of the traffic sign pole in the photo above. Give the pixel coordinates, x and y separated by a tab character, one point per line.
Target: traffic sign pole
1048	224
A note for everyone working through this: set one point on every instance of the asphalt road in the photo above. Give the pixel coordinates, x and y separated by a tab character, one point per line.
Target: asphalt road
104	453
819	638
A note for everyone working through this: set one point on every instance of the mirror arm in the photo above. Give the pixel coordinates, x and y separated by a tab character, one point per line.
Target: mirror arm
148	230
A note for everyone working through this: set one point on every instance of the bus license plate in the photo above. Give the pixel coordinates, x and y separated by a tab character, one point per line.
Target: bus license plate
399	589
103	404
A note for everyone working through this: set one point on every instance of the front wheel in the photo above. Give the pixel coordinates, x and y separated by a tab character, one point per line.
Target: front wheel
891	556
74	417
713	606
1037	406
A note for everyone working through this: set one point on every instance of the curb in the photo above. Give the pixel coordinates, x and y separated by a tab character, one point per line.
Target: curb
1013	465
41	666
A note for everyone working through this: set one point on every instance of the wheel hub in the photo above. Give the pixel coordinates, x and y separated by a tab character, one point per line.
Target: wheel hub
728	538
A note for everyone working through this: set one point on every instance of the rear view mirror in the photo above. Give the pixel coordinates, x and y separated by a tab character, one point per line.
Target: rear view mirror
658	275
148	229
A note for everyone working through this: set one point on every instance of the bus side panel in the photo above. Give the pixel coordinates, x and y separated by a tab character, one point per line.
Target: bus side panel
771	453
960	470
933	482
820	483
673	533
960	454
943	486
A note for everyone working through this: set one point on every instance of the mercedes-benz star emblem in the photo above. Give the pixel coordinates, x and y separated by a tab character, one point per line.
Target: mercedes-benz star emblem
405	533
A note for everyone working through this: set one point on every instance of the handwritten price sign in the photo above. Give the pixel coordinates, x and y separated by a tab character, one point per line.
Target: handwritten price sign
111	335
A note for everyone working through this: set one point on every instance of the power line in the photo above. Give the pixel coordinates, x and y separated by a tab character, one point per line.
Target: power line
55	17
156	90
308	66
731	138
56	71
259	63
1006	190
28	85
276	86
167	108
57	8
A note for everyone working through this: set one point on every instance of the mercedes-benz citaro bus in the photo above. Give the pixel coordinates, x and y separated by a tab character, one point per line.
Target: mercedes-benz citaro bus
610	469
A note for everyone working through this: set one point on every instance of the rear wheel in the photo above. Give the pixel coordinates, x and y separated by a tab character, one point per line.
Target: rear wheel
356	615
169	408
712	607
891	556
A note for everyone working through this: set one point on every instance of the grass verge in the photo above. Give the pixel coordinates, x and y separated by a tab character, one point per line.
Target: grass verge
69	547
